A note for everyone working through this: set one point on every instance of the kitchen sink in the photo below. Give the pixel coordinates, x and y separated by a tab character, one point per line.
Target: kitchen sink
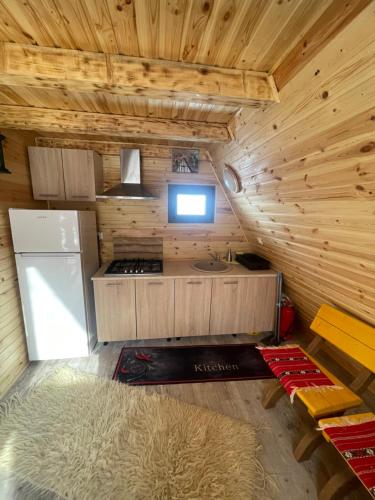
211	266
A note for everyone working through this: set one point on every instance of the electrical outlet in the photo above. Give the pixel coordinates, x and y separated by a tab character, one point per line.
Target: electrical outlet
100	236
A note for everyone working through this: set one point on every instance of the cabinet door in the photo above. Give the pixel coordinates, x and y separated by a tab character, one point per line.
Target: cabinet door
79	174
192	306
242	305
46	173
115	309
155	308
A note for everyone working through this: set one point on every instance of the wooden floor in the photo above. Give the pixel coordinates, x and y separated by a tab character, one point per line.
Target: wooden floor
278	428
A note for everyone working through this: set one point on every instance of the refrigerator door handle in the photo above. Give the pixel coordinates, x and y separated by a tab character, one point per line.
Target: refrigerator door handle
30	255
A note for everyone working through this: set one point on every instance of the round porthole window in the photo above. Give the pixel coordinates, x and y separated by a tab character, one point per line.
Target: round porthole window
231	179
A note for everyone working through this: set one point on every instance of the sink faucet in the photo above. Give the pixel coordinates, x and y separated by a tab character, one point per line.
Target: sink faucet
215	256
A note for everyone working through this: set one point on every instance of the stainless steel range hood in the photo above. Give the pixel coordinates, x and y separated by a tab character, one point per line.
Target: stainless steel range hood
130	187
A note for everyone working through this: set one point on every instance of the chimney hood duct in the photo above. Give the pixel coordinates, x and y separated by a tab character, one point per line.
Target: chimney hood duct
130	187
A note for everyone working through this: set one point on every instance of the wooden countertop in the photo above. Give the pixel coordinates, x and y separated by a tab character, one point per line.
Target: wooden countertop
183	269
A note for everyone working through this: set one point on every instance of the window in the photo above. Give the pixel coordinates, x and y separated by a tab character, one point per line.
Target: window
189	203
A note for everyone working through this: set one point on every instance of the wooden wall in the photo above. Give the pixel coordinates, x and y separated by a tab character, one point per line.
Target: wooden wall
15	191
308	172
147	218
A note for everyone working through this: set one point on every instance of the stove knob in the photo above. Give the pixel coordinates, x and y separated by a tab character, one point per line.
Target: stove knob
131	271
142	271
136	271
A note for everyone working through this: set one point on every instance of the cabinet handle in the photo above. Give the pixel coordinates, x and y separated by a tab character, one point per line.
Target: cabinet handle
194	282
82	196
155	283
113	284
230	282
48	195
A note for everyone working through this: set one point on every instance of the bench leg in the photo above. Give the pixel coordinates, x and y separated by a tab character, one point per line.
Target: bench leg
338	486
272	395
315	345
362	381
308	443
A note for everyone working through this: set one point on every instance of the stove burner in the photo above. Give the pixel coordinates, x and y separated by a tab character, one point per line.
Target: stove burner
135	266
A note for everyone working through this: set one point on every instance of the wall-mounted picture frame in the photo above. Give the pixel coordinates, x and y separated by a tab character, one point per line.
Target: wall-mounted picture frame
185	161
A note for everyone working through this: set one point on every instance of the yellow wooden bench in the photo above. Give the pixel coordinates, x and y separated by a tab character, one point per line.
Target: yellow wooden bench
342	482
354	338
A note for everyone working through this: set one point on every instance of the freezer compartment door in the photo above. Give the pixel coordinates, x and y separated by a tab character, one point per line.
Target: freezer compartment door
45	230
53	305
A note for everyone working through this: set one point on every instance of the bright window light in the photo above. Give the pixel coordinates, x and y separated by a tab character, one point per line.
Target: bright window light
191	204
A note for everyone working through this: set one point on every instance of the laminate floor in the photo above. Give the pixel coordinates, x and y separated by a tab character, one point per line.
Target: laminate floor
278	428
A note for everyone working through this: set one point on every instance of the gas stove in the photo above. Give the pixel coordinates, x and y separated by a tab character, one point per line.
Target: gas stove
134	266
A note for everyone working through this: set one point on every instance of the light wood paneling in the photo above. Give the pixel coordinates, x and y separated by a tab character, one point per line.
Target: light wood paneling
307	169
253	35
248	34
155	308
47	175
115	309
192	306
149	218
15	191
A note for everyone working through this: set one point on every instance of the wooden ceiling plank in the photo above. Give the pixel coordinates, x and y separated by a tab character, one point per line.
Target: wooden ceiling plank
77	24
123	18
334	19
54	120
171	22
79	71
98	16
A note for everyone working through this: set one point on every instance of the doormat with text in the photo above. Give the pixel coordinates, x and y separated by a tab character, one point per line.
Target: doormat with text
187	364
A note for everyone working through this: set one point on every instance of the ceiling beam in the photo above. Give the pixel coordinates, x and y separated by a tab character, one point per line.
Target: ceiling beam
55	120
79	71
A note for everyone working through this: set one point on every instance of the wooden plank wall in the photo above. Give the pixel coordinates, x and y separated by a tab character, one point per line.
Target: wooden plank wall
308	171
149	218
15	191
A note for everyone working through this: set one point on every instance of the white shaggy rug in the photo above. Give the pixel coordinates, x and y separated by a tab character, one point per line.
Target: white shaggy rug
84	437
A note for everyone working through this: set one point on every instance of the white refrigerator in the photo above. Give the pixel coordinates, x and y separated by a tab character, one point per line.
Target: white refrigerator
56	255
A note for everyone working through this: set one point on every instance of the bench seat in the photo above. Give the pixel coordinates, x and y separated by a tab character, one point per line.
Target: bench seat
323	403
354	436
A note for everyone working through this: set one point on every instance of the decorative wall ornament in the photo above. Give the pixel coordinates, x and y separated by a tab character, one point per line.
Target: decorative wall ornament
3	169
231	179
185	161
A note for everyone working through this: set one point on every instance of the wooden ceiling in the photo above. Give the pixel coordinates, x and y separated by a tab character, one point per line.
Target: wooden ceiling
269	36
246	34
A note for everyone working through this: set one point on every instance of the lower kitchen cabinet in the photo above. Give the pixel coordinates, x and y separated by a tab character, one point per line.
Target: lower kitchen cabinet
192	306
155	308
115	309
142	308
242	305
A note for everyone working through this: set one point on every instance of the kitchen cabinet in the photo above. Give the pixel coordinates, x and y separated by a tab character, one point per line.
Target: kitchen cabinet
82	174
65	174
184	303
155	308
192	306
115	309
47	173
242	305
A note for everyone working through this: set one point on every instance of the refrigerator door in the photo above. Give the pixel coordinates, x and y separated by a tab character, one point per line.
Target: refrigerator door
53	305
45	230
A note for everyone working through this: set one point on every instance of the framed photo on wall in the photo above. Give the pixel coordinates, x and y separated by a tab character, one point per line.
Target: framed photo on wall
185	161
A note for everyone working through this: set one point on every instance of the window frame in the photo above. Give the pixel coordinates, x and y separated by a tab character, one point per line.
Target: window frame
208	190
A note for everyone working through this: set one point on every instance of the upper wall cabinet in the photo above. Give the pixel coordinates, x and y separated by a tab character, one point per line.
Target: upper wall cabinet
47	173
65	174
